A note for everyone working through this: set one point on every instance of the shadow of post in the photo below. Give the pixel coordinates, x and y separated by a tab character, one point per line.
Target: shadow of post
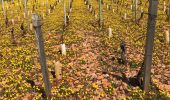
133	81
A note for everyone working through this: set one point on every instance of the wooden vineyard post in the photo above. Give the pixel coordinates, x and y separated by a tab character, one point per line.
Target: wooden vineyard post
69	6
40	44
167	36
153	5
63	46
169	13
47	7
125	16
12	1
134	9
123	52
90	5
3	9
110	32
136	6
25	8
13	37
100	14
65	16
164	6
117	5
89	1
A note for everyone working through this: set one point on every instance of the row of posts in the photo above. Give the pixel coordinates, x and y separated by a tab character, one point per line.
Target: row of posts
148	51
40	44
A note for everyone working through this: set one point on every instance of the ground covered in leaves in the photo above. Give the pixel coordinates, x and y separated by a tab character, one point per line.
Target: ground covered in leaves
91	68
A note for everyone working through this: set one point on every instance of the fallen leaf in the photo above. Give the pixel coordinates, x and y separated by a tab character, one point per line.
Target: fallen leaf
100	77
28	97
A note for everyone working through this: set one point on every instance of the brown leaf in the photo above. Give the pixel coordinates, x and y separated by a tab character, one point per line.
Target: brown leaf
100	77
167	87
38	84
93	75
28	97
105	83
78	74
158	76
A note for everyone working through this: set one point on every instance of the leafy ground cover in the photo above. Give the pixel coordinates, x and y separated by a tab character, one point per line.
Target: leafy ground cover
90	70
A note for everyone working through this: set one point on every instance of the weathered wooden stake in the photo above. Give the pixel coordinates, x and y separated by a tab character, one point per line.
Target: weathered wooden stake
63	46
131	7
63	49
18	18
85	2
12	1
91	9
40	44
69	6
13	22
167	36
47	7
3	9
95	16
100	14
134	9
24	15
58	69
25	8
13	37
123	52
169	13
107	7
117	6
142	10
89	2
164	6
153	5
125	16
49	11
31	26
110	32
136	4
65	16
110	7
113	10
